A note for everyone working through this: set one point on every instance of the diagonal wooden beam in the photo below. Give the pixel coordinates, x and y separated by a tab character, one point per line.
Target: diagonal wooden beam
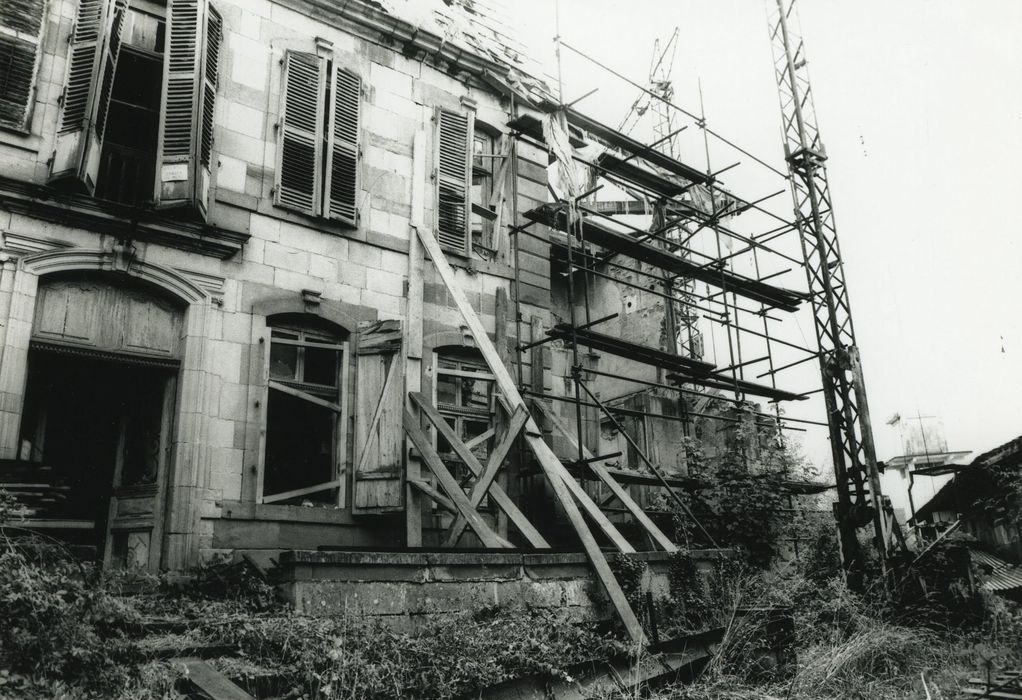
449	484
441	500
557	475
617	489
482	484
500	496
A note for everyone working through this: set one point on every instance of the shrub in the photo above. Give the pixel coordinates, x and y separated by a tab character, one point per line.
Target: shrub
358	657
54	624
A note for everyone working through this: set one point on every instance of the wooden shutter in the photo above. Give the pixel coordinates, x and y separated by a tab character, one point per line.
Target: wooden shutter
21	29
194	35
91	68
452	158
342	148
298	177
378	477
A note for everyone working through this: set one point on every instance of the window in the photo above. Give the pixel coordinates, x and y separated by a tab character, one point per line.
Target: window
145	83
128	158
452	177
318	138
466	399
21	29
305	416
483	163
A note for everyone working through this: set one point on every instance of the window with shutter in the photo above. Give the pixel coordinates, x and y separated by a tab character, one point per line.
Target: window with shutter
318	138
300	149
92	63
342	172
452	176
21	29
194	36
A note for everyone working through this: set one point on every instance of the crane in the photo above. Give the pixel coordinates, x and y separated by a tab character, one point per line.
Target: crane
860	503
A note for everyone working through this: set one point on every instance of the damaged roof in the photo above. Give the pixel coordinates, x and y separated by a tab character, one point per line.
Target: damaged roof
481	27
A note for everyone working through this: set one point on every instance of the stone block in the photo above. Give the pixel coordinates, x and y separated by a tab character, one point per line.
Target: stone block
368	256
250	25
231	173
386	282
385	79
286	258
323	267
249	61
351	273
381	302
245	120
265	227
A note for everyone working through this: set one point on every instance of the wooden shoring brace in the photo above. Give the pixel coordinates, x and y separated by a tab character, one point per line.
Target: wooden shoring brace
450	485
441	500
616	489
556	473
498	196
498	494
590	507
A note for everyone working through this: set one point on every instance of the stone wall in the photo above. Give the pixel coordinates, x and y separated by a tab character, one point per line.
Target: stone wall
404	587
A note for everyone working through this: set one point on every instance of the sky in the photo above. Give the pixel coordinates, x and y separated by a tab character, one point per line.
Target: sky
919	103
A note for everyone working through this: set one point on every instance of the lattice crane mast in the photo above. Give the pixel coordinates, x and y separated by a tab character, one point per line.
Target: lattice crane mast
860	502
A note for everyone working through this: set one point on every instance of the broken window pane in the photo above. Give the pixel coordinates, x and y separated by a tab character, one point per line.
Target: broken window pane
321	366
446	390
299	447
283	361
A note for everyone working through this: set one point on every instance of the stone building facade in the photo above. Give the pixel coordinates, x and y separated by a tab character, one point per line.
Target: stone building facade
205	218
211	310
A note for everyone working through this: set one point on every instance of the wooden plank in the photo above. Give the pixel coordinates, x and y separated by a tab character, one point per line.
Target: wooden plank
480	438
441	500
304	396
388	385
555	472
619	491
482	484
498	494
413	334
210	681
449	484
507	477
316	488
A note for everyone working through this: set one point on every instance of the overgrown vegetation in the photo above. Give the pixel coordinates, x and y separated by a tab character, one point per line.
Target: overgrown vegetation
67	630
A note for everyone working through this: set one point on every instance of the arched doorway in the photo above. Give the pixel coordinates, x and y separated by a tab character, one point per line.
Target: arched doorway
97	421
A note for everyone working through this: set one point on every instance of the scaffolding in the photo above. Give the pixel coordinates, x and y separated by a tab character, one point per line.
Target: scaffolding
708	254
695	239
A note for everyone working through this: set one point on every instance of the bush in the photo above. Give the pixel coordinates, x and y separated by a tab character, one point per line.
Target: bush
54	624
357	657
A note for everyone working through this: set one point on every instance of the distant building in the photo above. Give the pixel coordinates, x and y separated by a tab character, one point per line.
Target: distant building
915	476
975	498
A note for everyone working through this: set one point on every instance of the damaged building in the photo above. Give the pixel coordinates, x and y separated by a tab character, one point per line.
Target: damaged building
258	259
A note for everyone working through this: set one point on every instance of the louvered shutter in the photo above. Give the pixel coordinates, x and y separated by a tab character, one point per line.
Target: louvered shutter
298	177
378	477
342	148
452	158
21	28
92	66
194	37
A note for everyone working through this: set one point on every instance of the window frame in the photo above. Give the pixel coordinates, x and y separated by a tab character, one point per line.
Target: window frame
456	414
315	393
